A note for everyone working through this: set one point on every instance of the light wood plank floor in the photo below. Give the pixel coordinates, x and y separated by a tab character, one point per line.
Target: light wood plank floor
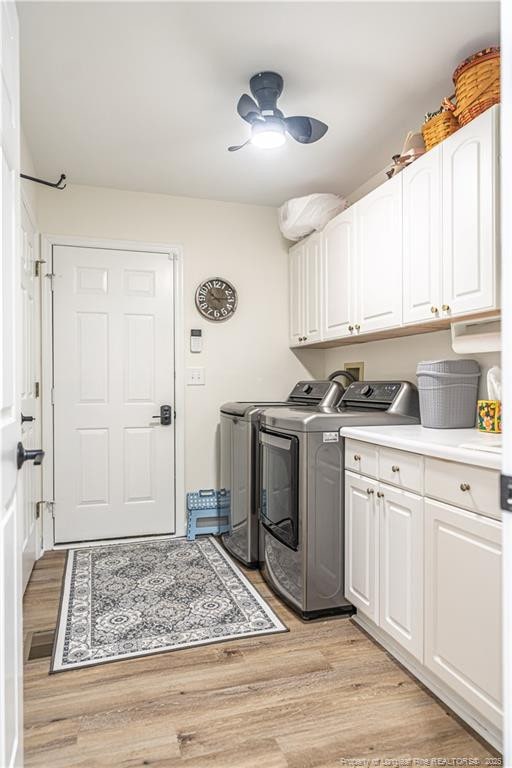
311	698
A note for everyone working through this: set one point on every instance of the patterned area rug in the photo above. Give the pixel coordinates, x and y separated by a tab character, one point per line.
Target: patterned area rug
126	600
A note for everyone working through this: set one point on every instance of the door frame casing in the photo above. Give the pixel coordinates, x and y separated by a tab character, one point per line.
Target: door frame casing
25	203
175	254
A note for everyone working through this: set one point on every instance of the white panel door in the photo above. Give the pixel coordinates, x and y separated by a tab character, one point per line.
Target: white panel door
30	370
11	689
296	298
469	215
379	248
361	544
422	203
339	259
462	580
312	288
401	567
113	369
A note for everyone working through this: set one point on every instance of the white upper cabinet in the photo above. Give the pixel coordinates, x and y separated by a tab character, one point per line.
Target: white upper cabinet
305	275
340	305
379	250
312	288
296	302
422	202
469	216
421	247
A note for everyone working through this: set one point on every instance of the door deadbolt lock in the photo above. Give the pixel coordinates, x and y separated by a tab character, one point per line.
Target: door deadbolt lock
165	415
23	455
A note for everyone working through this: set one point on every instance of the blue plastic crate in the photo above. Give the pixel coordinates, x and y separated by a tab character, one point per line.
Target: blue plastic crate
207	512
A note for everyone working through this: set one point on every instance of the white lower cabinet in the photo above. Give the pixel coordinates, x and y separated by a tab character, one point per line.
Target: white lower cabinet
361	544
384	558
463	605
401	567
425	576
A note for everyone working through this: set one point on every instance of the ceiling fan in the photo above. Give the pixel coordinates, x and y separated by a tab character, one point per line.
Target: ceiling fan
268	124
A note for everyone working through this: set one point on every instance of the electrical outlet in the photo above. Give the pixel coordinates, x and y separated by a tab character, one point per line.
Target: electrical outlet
195	377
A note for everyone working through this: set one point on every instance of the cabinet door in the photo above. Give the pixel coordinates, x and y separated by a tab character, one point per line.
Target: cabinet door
421	183
338	275
469	216
379	248
463	605
296	277
312	288
361	544
401	567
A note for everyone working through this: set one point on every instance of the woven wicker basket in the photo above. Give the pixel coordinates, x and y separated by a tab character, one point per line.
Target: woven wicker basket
477	84
439	127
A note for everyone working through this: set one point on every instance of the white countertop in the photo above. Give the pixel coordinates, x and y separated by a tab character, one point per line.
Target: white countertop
468	446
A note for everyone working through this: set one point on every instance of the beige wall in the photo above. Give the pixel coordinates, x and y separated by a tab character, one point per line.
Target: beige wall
248	356
245	357
397	358
28	188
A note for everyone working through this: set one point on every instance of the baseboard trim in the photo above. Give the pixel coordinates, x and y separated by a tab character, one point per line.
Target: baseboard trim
466	713
107	542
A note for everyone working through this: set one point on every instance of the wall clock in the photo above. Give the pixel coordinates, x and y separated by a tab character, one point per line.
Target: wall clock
216	299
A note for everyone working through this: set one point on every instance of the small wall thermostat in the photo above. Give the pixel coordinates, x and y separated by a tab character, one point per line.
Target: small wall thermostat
196	340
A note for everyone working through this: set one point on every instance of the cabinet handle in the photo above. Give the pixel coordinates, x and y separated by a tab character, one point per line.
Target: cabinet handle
395	468
465	487
369	491
357	327
434	310
380	495
304	338
351	328
446	307
357	457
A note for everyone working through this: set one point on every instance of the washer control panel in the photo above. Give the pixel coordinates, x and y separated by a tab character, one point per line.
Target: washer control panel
372	391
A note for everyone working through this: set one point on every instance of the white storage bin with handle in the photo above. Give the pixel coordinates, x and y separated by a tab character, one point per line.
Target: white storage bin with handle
448	391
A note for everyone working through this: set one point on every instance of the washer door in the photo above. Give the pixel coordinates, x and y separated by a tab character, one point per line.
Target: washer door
279	467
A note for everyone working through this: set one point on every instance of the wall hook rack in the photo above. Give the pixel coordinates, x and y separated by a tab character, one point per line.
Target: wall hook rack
60	184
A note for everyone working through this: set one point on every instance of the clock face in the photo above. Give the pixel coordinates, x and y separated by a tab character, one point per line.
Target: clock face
216	299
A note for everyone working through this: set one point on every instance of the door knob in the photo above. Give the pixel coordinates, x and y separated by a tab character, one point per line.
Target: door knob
165	415
22	455
27	418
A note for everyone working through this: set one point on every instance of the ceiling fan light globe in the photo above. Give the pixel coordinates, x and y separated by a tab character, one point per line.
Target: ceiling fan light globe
268	138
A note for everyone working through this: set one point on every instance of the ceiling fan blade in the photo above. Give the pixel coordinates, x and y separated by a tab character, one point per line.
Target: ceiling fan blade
238	146
306	130
248	109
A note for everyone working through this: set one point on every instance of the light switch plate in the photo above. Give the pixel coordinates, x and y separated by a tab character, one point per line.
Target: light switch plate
195	377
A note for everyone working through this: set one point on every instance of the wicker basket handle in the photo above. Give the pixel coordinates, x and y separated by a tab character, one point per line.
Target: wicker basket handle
457	111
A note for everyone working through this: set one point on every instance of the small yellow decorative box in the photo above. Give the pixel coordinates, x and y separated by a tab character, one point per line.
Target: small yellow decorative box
489	415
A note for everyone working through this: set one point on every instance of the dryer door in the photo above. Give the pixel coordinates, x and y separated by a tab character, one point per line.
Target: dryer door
279	466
